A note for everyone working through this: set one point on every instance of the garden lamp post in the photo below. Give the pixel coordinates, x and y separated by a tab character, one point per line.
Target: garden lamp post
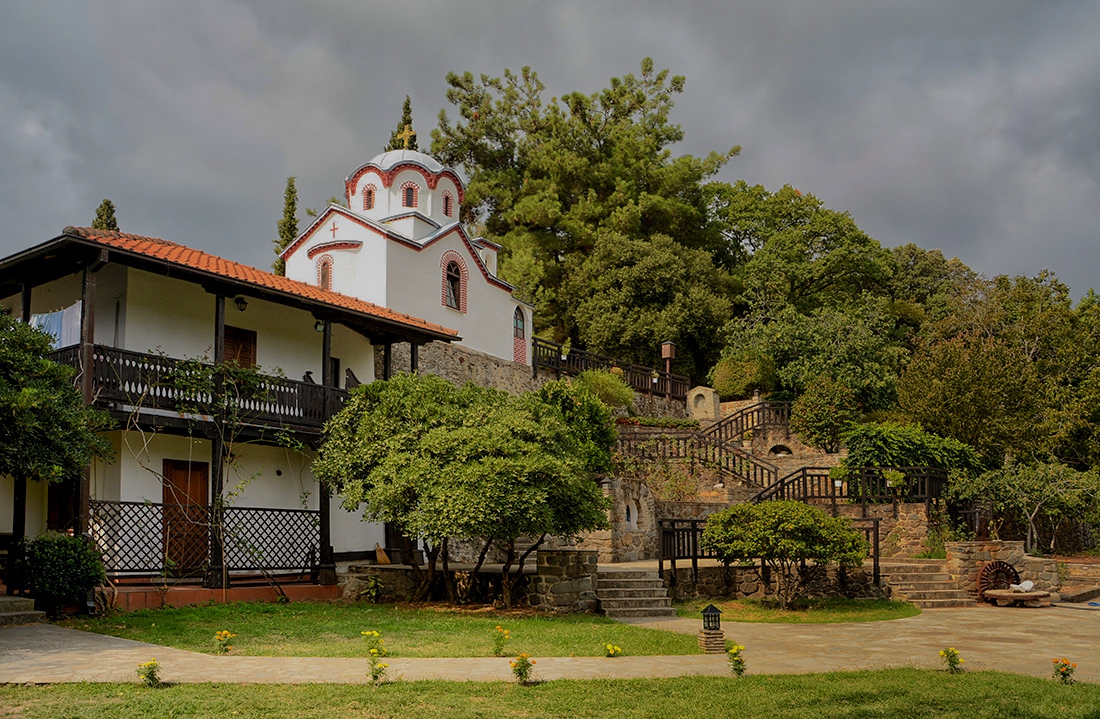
668	353
711	639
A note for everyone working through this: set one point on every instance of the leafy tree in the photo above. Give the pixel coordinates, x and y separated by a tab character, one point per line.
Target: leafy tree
1038	495
788	350
630	295
784	535
798	252
608	387
465	463
550	180
288	226
46	432
928	283
821	415
105	216
397	139
908	445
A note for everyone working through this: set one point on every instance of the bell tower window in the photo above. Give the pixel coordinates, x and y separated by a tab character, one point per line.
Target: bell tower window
448	204
454	280
519	336
410	192
368	197
324	273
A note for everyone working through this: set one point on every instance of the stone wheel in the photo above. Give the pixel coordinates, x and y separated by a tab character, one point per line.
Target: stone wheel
996	575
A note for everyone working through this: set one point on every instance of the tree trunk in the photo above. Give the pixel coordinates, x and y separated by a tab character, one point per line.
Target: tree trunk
505	583
448	576
472	589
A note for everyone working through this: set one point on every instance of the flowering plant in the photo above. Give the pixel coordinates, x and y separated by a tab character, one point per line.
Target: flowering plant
500	636
1063	670
376	650
610	650
147	673
736	659
522	667
952	660
222	639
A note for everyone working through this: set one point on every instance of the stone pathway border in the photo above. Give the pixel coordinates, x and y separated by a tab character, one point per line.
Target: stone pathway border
1018	640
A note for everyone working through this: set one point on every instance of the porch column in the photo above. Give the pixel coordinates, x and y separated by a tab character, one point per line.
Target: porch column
387	360
25	304
327	380
87	374
327	573
214	574
414	356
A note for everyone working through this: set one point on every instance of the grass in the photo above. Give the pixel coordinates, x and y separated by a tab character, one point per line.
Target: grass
810	611
887	693
309	629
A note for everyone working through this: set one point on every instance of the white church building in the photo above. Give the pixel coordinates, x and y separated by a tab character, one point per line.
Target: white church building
399	244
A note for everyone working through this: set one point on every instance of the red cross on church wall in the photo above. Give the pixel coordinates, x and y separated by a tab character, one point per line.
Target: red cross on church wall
333	229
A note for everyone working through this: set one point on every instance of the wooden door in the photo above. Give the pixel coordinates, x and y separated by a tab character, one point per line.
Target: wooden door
186	518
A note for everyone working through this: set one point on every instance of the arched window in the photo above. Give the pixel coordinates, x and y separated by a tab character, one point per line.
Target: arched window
517	325
448	204
454	285
410	192
324	272
368	197
454	280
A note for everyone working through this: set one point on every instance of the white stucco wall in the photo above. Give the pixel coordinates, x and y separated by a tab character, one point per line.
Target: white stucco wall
359	272
36	506
152	299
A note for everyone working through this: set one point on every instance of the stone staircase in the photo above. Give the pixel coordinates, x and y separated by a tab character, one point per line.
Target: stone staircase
1081	581
18	610
925	583
624	593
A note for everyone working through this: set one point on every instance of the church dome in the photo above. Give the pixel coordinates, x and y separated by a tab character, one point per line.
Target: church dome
389	160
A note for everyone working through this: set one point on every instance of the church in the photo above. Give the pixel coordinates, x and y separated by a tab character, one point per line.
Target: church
128	312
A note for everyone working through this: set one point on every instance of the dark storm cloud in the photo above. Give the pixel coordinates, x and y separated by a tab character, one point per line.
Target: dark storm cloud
968	127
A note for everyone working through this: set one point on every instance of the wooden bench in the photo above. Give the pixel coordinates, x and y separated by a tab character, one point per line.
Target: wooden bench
1010	597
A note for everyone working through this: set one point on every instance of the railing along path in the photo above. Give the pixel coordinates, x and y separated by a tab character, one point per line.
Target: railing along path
556	358
660	443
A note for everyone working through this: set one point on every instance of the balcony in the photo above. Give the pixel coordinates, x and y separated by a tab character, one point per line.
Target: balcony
146	386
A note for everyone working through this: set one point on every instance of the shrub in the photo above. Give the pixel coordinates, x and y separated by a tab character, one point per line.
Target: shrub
783	535
823	413
898	445
608	387
663	422
737	378
57	569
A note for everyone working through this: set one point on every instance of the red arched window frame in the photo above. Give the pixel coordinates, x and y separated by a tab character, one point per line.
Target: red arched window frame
410	194
324	272
368	197
519	336
455	277
448	204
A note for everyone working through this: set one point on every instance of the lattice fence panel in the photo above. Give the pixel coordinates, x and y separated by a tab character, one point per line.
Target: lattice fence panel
271	539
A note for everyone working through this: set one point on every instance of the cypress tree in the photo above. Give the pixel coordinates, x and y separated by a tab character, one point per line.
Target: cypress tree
397	141
288	226
105	216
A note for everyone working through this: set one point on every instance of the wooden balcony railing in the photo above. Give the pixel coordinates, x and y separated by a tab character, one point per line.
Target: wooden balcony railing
143	382
862	486
556	358
765	415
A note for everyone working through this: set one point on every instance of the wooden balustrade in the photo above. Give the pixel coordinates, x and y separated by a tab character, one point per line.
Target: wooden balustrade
555	358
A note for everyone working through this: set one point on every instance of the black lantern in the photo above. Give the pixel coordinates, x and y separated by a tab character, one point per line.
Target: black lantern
241	303
712	618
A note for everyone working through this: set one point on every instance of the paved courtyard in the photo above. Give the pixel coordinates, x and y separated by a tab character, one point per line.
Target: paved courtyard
1003	639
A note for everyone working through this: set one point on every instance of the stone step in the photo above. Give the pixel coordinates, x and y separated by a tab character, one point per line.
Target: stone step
630	593
943	603
921	586
1079	593
935	594
1074	570
626	574
602	584
16	604
637	603
8	619
903	577
646	612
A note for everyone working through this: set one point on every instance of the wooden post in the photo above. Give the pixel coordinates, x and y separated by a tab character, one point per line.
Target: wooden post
87	376
25	304
414	356
327	380
327	574
387	360
215	573
19	510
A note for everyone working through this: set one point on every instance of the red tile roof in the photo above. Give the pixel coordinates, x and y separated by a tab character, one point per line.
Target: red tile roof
193	259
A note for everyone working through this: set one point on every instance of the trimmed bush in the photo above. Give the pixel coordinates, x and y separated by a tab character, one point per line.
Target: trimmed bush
823	413
57	569
908	445
609	388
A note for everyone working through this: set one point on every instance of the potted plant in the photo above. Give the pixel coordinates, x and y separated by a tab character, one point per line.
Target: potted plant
746	439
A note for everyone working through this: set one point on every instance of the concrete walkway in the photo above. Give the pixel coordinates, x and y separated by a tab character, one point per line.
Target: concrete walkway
1004	639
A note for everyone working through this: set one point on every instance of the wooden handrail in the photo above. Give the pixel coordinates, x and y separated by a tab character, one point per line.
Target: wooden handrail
554	357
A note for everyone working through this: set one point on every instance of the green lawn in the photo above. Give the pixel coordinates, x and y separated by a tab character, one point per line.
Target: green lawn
812	611
890	693
307	629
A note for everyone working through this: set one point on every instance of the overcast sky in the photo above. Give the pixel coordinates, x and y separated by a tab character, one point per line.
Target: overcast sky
972	127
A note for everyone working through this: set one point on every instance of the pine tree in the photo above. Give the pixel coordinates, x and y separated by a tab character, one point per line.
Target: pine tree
288	226
105	216
397	137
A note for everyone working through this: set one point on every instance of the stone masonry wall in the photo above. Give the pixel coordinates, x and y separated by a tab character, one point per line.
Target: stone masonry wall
901	533
565	581
458	364
739	582
965	560
624	541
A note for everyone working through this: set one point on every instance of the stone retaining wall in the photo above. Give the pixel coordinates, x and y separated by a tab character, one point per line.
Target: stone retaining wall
739	582
565	581
901	533
965	560
458	364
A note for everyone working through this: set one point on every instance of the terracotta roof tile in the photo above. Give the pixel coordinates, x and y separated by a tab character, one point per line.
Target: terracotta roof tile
197	259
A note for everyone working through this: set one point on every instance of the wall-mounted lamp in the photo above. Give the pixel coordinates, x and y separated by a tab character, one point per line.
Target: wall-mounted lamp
319	325
241	302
